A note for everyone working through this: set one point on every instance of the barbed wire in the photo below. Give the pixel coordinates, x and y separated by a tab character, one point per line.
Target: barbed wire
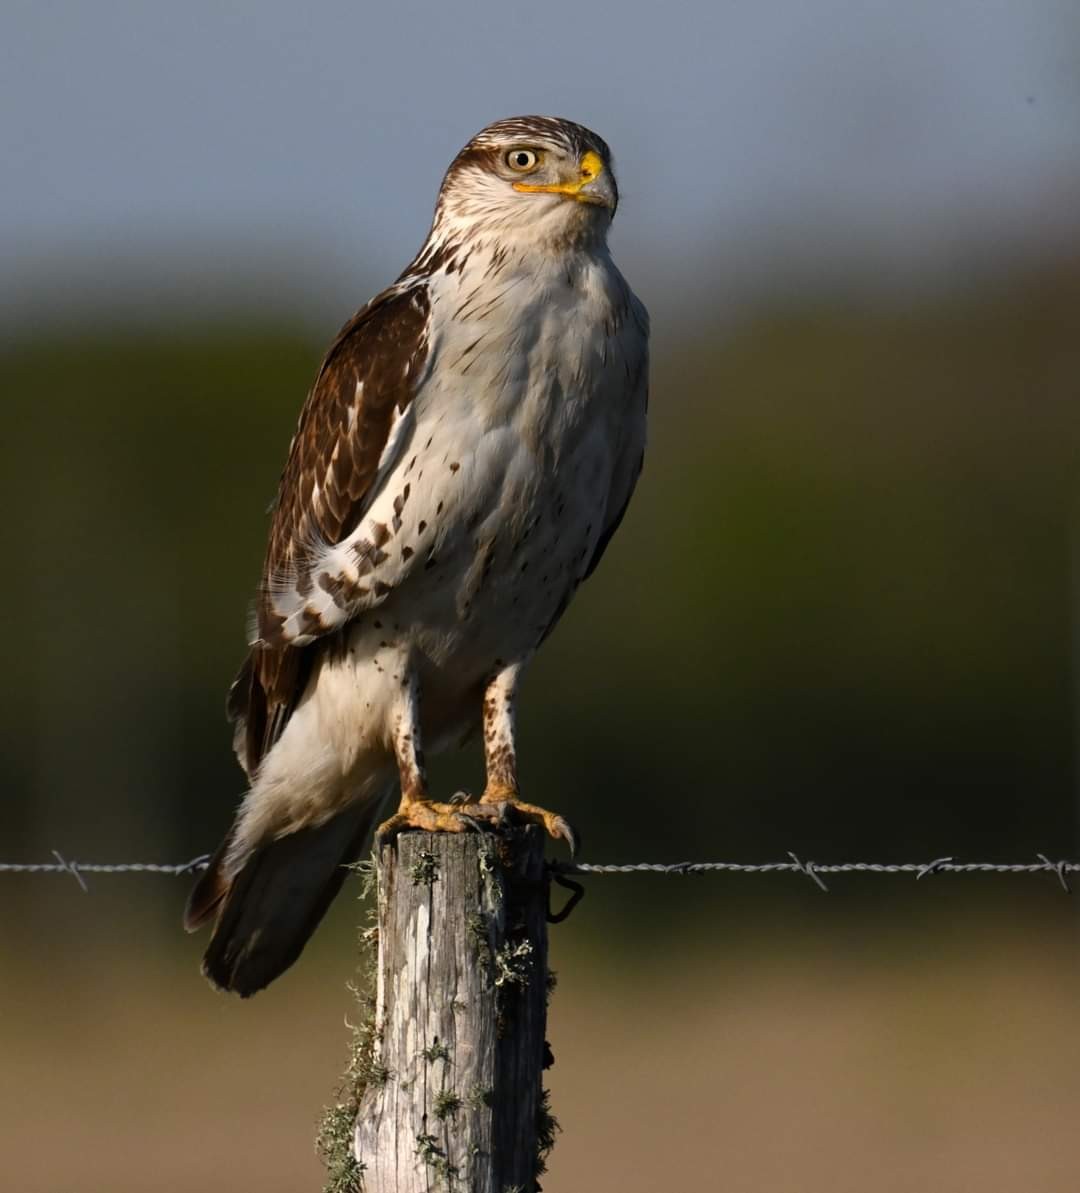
812	870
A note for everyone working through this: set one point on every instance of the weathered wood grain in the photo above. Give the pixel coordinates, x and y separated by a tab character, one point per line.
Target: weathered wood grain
460	1015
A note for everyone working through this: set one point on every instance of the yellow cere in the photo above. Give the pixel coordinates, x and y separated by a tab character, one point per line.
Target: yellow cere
591	166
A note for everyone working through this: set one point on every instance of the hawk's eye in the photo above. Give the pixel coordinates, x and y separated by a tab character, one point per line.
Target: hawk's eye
522	160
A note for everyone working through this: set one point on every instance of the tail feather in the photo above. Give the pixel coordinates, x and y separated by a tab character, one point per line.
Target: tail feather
268	911
209	891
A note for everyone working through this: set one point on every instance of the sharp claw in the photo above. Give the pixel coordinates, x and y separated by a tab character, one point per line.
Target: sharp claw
385	833
470	822
572	839
460	797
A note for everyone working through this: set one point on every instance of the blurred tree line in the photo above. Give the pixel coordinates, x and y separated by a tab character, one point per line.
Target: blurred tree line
839	619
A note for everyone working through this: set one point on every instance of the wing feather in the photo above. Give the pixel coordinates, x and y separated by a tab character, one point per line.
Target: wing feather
632	456
363	389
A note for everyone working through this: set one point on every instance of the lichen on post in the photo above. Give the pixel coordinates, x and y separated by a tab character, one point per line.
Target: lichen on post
456	1040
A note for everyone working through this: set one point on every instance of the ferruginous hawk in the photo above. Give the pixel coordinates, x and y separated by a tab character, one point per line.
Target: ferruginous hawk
466	452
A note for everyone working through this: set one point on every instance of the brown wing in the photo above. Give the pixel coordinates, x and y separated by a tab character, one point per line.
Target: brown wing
368	377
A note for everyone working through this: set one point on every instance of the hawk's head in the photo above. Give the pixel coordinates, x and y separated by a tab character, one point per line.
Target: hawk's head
538	176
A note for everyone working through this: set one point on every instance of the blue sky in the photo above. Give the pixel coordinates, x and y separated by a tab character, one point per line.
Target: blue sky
147	143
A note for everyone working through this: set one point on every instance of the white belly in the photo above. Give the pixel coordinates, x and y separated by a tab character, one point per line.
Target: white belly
496	547
500	489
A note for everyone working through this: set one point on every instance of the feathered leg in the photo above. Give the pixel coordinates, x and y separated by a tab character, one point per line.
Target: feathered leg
500	759
416	810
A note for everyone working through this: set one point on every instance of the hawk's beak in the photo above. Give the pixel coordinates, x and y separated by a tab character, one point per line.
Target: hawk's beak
593	184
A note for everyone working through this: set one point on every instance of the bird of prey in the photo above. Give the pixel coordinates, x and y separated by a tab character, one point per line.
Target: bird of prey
467	450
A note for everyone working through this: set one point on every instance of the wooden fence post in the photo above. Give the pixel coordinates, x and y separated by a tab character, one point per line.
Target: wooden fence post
454	1097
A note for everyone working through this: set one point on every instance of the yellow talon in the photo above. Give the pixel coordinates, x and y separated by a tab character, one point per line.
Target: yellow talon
504	800
426	815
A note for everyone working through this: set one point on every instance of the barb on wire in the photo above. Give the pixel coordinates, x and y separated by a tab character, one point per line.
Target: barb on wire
78	870
1060	869
809	869
72	869
934	867
812	870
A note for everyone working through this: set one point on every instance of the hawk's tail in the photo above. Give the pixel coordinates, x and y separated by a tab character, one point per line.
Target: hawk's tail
267	912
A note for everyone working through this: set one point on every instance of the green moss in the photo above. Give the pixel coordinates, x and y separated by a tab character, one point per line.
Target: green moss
477	931
547	1126
489	875
479	1096
368	872
435	1051
435	1157
513	964
425	870
344	1173
334	1140
447	1104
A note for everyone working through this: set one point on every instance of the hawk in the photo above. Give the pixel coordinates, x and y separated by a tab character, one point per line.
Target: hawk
465	454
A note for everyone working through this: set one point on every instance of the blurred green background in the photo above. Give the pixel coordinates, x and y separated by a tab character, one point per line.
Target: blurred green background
842	616
837	619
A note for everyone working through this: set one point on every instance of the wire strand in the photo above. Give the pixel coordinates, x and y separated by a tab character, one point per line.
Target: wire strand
809	869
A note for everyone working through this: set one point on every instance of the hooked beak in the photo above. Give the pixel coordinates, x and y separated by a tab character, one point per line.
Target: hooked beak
593	184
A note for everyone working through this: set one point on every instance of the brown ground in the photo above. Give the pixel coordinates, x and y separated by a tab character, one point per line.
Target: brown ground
949	1062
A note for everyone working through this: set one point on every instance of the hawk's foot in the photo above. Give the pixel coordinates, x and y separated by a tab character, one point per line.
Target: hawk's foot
426	815
501	805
